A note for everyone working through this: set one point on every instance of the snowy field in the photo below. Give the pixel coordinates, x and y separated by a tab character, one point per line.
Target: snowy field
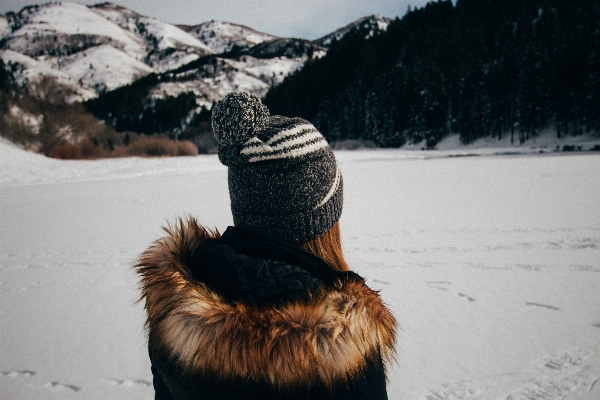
491	264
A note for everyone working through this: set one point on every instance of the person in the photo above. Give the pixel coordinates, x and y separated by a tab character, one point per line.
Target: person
269	309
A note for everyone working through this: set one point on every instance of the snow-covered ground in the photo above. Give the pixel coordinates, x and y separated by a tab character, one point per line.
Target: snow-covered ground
491	265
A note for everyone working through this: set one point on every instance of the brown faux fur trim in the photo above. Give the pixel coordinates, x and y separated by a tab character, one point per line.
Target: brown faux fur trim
324	341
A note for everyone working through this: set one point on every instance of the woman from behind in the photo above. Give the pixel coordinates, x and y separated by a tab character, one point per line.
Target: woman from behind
269	309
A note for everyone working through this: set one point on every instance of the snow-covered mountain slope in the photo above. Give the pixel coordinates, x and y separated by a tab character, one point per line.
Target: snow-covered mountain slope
4	27
283	47
223	36
212	81
170	46
95	49
371	24
60	29
27	72
95	68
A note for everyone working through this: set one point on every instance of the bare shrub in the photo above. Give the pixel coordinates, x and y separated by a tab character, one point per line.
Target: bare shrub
120	151
67	152
49	90
129	137
186	148
153	147
93	151
15	129
42	121
157	147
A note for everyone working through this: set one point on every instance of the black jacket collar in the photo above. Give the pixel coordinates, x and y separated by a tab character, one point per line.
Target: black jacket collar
248	267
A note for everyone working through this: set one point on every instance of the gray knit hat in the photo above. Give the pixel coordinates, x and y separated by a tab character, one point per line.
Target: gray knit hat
284	180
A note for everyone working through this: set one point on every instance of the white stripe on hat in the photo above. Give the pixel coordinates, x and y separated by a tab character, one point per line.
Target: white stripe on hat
290	154
254	140
334	187
292	131
265	148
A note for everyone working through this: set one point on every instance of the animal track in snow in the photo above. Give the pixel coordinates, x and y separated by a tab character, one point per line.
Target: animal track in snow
18	374
584	268
542	305
464	296
382	282
59	387
129	382
439	285
443	285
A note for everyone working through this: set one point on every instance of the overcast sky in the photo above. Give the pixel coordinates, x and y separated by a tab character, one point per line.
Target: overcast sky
306	19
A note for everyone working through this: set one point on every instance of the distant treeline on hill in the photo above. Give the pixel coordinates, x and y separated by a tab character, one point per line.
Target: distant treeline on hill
479	68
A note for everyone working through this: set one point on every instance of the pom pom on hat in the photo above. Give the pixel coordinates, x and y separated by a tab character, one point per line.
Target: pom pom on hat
237	118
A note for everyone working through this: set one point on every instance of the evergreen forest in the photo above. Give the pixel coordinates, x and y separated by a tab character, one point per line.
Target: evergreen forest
477	68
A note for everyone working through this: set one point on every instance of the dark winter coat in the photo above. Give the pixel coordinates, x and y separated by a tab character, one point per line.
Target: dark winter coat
242	317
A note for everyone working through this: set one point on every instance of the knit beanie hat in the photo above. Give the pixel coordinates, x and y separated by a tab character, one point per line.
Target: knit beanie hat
284	180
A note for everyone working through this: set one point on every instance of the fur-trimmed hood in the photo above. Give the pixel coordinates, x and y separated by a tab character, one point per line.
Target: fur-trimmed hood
325	340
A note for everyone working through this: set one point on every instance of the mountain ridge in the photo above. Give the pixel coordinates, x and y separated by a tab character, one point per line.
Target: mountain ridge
95	49
369	23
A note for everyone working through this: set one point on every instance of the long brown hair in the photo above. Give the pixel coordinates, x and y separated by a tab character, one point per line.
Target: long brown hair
328	247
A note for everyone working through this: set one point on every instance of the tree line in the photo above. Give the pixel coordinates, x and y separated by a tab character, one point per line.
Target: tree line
479	68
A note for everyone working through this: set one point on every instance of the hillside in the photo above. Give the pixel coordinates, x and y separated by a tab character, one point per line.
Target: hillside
492	68
369	25
140	74
223	37
93	49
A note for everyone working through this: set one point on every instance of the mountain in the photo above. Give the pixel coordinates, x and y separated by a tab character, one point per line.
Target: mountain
91	49
95	49
128	63
170	46
370	24
289	48
512	69
223	37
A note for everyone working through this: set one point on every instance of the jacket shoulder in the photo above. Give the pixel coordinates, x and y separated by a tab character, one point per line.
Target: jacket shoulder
327	340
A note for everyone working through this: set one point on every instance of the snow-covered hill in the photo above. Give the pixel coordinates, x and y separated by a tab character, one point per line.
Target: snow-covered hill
371	24
60	29
96	49
222	37
26	70
100	47
210	82
170	46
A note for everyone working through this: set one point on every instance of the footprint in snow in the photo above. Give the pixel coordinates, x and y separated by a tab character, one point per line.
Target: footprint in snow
464	296
443	285
129	382
542	305
59	387
439	285
382	282
18	374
